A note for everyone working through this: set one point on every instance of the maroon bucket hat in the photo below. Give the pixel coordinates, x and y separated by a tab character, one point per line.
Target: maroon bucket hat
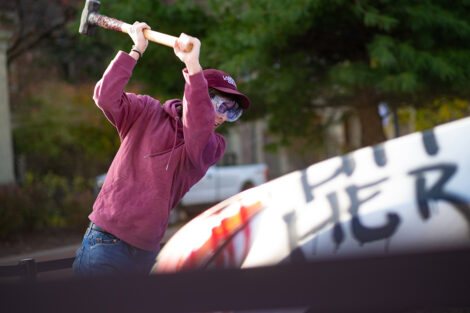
223	82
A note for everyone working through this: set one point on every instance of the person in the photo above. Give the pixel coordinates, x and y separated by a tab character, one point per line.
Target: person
165	149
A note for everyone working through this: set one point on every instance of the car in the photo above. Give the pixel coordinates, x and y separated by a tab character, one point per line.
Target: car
409	194
222	182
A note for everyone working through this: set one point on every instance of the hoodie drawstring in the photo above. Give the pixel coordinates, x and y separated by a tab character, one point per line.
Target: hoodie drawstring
174	143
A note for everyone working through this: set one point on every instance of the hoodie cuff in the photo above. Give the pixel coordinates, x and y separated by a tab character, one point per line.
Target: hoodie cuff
196	81
124	59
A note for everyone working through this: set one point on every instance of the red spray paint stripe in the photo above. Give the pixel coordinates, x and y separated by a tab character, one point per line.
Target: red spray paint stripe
220	234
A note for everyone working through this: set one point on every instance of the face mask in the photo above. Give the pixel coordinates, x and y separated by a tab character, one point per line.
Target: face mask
226	107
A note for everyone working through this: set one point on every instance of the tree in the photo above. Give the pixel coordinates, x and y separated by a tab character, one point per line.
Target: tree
60	131
299	56
296	58
43	53
35	21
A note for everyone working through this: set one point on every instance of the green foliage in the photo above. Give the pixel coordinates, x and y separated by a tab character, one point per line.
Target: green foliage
306	53
61	130
441	111
296	57
291	52
44	203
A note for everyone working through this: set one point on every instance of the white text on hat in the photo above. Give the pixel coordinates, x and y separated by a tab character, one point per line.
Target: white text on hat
230	80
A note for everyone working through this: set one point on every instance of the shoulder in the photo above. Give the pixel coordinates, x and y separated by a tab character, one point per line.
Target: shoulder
146	101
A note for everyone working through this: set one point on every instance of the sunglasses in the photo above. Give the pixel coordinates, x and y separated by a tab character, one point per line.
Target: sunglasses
226	107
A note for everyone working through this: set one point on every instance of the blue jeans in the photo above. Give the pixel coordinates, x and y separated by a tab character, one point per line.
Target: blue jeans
104	254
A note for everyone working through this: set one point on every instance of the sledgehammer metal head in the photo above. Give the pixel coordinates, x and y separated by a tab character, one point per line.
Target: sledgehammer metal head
91	7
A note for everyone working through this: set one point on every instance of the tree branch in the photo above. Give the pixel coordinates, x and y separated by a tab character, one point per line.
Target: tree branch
19	9
12	54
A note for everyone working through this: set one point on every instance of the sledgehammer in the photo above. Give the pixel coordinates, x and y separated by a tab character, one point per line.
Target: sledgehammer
90	19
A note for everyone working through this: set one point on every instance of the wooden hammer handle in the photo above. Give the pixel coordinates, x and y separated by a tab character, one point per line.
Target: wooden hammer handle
114	24
154	36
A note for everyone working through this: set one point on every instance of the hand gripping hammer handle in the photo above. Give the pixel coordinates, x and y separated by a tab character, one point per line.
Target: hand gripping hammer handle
115	24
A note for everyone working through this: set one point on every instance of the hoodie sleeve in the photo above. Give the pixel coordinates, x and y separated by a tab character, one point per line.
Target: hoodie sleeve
121	108
203	145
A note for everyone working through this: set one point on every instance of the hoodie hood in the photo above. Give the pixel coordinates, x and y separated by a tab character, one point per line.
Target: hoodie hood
174	108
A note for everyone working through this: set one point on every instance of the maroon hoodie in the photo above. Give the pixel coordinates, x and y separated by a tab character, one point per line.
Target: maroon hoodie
160	157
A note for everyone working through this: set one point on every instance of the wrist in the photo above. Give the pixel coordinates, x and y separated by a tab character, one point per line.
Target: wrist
140	48
136	53
193	68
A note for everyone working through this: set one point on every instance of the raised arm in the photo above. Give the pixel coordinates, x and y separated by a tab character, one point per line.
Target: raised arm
122	108
203	145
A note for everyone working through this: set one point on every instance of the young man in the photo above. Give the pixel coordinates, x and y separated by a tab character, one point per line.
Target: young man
165	149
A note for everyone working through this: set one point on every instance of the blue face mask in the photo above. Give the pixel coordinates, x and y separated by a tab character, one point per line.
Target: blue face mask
226	107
